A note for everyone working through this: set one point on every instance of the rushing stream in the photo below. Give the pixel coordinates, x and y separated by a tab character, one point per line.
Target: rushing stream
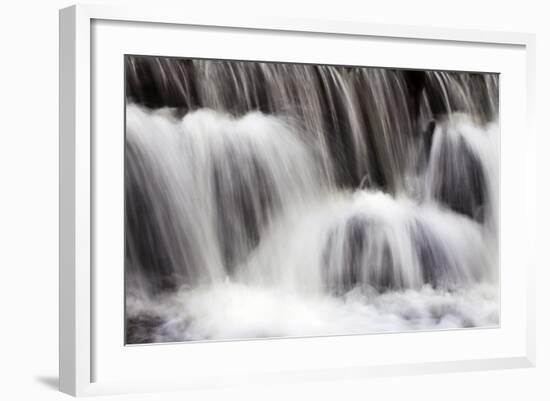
270	199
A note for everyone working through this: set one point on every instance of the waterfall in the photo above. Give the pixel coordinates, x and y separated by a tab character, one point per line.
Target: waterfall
271	199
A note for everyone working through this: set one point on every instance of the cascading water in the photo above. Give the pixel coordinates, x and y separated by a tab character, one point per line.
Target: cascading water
267	200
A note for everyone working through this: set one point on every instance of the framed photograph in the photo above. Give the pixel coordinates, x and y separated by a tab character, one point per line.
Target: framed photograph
277	200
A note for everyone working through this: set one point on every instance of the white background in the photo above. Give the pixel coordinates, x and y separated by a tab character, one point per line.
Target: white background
28	201
115	363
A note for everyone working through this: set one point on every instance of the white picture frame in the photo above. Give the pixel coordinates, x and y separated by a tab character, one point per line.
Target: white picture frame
79	160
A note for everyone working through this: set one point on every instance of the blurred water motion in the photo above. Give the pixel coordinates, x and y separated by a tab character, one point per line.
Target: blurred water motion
271	199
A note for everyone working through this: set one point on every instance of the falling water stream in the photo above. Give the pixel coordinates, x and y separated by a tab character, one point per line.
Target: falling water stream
269	200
